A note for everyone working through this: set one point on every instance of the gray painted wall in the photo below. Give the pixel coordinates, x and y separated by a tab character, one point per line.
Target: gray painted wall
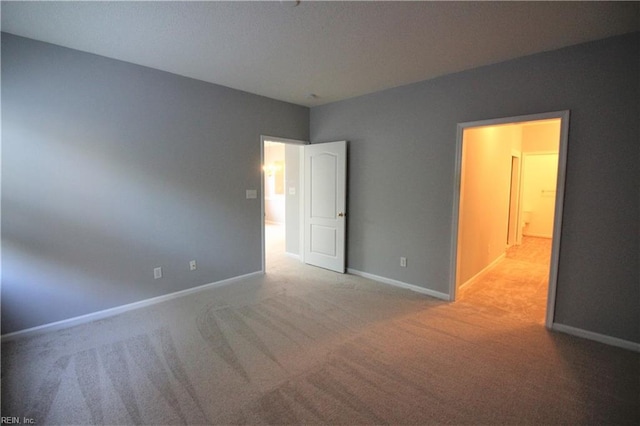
110	169
401	176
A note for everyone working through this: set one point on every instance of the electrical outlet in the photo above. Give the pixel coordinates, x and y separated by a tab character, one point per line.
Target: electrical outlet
192	265
157	273
403	262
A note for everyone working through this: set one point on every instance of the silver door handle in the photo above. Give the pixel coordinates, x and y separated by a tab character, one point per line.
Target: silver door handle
341	214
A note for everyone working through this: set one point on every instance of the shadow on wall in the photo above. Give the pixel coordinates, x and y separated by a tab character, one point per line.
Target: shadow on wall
73	217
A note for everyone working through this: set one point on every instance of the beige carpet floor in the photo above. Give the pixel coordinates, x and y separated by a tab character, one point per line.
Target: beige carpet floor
301	345
518	285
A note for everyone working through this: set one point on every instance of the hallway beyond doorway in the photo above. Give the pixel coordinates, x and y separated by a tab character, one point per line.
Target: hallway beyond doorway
274	244
517	286
484	195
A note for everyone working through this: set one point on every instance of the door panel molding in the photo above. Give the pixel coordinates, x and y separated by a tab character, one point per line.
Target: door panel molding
325	174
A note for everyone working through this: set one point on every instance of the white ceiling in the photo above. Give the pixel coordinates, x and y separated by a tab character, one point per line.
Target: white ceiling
335	50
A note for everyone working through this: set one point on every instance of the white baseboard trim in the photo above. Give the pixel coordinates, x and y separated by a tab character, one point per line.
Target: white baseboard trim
481	274
538	235
602	338
293	255
400	284
83	319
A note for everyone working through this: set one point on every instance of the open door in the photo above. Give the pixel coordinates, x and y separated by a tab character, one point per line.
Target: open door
325	171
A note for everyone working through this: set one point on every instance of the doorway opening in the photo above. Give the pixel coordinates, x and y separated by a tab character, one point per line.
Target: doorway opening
303	203
281	200
507	214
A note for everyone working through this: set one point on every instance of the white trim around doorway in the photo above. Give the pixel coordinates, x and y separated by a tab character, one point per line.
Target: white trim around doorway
559	202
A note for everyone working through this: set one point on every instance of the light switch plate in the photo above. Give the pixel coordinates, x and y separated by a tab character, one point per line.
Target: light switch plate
252	193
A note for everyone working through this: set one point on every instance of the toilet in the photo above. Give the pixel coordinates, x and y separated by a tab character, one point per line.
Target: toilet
526	218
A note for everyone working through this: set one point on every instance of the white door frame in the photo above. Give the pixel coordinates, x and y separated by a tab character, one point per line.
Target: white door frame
559	203
263	139
518	228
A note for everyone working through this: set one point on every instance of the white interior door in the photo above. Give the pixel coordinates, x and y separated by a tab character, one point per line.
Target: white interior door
325	170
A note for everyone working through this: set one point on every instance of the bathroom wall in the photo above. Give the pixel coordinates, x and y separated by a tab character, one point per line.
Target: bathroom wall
274	183
540	143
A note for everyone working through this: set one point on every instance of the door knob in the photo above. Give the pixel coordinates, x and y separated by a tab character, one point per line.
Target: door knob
341	214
